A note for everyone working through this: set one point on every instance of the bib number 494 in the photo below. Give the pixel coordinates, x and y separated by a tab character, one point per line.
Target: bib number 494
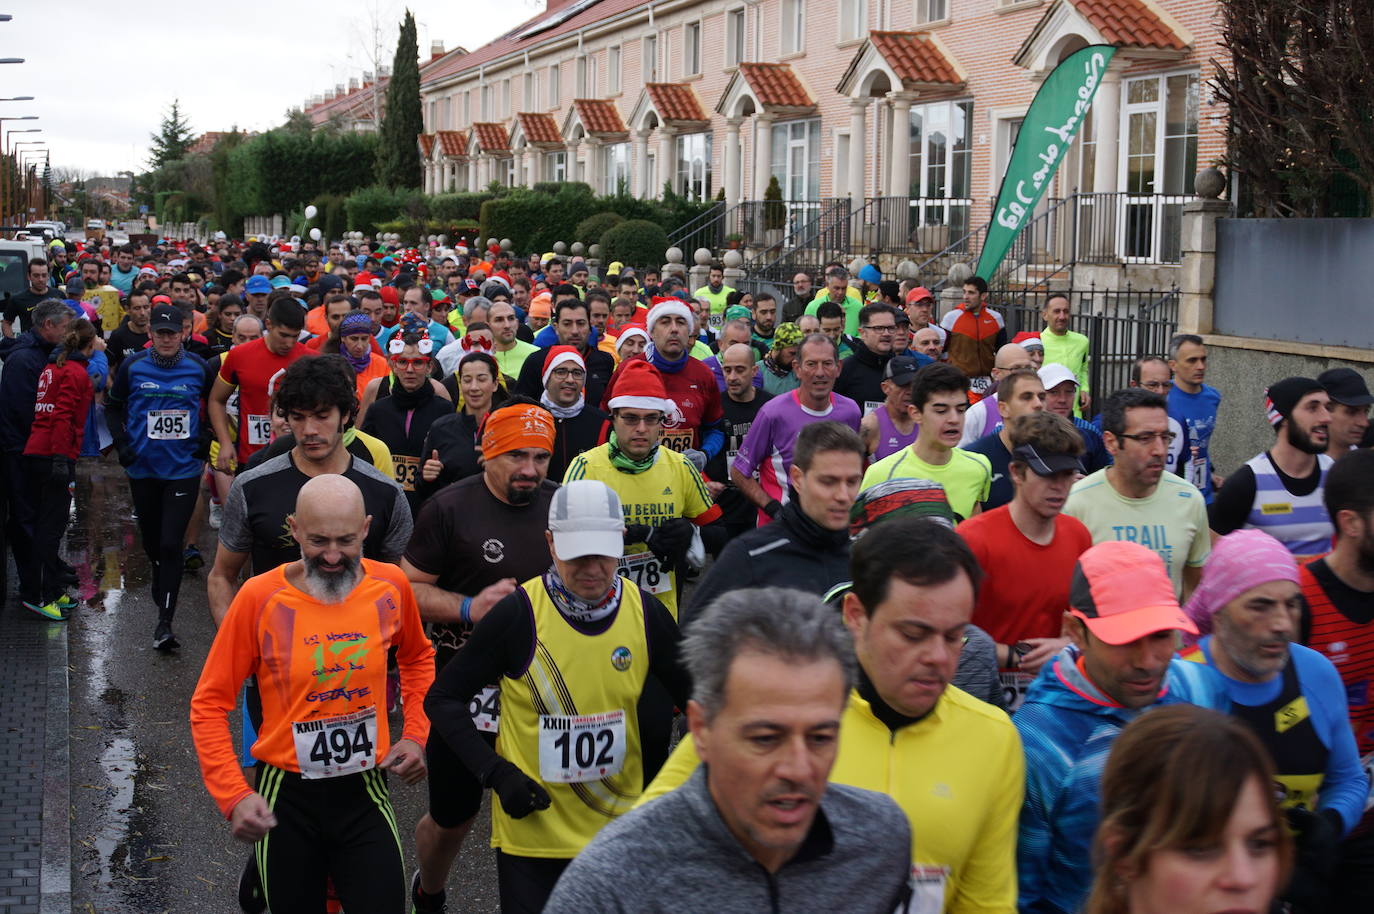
334	746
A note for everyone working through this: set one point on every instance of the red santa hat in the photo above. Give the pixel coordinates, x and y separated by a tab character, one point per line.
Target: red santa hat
639	386
557	356
665	306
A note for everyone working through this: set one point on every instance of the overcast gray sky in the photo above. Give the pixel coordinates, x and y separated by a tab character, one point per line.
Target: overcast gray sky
102	74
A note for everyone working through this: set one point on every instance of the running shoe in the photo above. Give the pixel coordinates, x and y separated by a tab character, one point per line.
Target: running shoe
163	639
252	899
50	611
191	559
216	514
420	903
66	603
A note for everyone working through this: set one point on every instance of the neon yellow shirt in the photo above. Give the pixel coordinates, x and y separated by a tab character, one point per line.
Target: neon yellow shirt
958	774
1071	351
852	306
966	478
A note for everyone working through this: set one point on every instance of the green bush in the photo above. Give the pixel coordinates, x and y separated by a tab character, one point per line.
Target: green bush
590	230
637	242
547	187
373	205
453	207
774	213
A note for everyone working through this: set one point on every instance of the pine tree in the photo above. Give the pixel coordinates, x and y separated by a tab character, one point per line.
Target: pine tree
173	139
398	155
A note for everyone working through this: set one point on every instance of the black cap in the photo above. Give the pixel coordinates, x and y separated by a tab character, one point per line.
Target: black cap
1046	464
166	317
1282	397
900	370
1345	386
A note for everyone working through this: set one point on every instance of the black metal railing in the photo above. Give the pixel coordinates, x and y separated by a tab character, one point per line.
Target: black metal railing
1131	228
688	237
1122	325
903	226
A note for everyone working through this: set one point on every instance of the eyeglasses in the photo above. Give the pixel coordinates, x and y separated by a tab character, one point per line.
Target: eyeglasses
420	362
1147	437
884	329
564	374
1156	385
633	421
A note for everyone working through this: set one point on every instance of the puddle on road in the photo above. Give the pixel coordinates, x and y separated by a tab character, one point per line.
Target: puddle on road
120	764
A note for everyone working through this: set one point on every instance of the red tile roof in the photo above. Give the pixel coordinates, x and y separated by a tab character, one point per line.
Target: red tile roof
509	43
452	142
775	85
491	137
599	116
1129	23
540	128
426	144
675	102
915	58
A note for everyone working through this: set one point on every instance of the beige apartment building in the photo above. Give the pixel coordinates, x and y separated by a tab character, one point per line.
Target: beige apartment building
912	101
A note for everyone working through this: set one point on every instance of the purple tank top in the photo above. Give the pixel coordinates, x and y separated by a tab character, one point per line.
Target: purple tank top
890	441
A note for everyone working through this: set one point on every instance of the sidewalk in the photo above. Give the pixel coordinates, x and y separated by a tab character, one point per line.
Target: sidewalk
35	787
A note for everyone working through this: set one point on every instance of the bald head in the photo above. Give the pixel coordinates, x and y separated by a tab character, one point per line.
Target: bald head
1011	357
738	354
330	497
330	525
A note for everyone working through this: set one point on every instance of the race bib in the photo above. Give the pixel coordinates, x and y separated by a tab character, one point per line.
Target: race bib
169	424
1014	686
646	571
871	405
485	709
716	320
1197	470
979	385
407	471
334	746
574	749
259	429
928	889
677	440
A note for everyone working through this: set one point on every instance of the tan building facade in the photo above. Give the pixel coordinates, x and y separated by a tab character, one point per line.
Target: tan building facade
918	100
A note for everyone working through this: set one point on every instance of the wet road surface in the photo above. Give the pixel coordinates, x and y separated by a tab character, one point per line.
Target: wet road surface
146	837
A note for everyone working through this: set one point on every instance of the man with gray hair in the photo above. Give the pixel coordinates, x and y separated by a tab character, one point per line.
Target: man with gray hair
757	827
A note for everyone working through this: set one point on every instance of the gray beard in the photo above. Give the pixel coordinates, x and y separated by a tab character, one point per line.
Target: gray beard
330	586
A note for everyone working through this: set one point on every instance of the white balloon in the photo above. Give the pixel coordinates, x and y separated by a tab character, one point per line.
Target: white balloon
311	212
315	234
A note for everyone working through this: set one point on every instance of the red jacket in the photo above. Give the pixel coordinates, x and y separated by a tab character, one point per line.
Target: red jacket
59	414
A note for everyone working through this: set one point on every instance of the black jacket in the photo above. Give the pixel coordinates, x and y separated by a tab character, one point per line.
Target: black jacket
793	551
386	419
25	357
861	375
576	435
455	438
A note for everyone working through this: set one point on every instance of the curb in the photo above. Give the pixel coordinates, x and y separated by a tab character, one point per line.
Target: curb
55	881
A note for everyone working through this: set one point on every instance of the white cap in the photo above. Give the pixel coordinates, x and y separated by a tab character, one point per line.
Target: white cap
585	519
1052	374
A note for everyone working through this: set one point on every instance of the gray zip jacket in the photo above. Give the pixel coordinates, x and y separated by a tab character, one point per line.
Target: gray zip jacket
675	855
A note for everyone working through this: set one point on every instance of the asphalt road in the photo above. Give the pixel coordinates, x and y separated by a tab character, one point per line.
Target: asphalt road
146	837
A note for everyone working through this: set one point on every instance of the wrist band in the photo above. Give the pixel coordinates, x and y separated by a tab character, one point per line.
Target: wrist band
465	613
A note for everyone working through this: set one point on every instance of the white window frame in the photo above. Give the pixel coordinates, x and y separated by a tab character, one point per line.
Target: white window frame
467	108
531	88
1156	206
556	165
698	169
938	213
433	116
615	64
691	48
505	98
555	87
486	103
648	54
735	42
853	20
615	167
792	27
810	135
929	12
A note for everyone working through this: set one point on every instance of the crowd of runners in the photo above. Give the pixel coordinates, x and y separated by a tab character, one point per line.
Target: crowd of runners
824	601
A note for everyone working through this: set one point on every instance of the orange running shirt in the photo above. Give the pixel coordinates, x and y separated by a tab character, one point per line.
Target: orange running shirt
321	671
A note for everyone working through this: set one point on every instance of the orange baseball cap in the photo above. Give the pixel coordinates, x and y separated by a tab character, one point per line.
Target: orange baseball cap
1122	593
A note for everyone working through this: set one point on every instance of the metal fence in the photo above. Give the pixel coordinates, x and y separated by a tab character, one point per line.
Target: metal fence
907	226
1131	228
1122	325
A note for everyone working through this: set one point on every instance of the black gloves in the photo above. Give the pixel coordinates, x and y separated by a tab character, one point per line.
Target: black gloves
773	508
127	455
670	541
520	794
1318	839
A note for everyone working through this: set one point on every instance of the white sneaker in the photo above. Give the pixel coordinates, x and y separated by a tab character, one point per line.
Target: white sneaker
216	514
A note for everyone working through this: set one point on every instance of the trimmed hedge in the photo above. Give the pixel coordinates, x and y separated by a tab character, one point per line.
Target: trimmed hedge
637	242
590	230
373	205
457	207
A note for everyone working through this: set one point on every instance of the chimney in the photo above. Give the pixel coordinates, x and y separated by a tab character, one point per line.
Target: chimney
384	72
353	85
367	76
338	89
436	49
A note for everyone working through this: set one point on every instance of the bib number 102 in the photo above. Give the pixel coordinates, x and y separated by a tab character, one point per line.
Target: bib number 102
586	747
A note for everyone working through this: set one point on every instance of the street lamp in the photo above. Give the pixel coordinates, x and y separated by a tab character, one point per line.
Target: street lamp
18	98
4	172
11	60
